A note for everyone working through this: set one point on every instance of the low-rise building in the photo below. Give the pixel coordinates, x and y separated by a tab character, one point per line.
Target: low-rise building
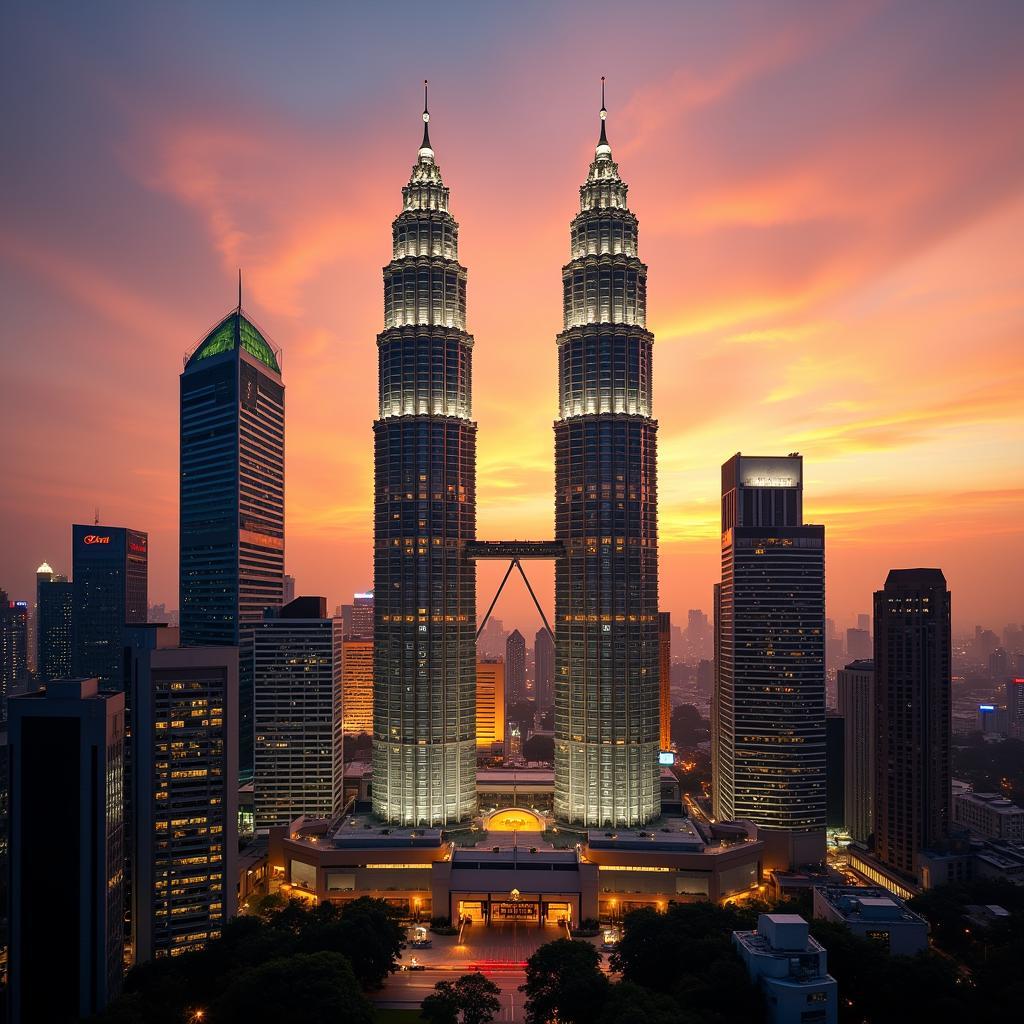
989	815
497	876
874	914
791	968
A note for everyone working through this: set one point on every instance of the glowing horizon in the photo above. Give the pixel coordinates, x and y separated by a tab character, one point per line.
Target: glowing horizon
830	201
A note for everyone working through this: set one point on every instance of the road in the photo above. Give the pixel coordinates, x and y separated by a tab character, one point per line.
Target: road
499	952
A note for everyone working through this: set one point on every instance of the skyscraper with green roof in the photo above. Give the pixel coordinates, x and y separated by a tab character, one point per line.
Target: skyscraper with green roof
232	495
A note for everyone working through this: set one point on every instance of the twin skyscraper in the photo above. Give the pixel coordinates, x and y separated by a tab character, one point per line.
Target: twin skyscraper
606	571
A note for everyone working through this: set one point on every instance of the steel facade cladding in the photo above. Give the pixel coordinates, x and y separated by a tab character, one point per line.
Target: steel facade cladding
232	495
424	724
771	692
606	584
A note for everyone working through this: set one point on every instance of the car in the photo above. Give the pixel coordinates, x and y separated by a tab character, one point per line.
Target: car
413	965
422	943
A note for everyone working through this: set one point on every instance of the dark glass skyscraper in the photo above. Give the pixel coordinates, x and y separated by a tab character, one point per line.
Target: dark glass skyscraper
606	515
232	496
913	716
110	591
54	599
424	719
13	647
769	707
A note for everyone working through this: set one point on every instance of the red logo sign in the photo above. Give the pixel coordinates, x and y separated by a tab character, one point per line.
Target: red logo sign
92	538
137	546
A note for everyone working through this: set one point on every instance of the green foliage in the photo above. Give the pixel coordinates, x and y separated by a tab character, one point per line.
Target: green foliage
473	999
359	941
564	982
307	988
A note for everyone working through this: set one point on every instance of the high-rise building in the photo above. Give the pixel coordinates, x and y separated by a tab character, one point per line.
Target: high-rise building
665	679
1015	706
424	735
184	792
54	601
856	689
362	617
232	496
858	645
515	667
13	647
66	765
913	780
110	569
287	589
606	516
770	702
297	689
490	703
357	687
835	771
491	642
864	622
544	666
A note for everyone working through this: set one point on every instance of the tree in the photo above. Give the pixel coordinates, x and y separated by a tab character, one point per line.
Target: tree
564	982
473	996
630	1004
308	988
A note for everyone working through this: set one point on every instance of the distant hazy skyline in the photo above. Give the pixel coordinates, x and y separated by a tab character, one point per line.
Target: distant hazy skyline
831	202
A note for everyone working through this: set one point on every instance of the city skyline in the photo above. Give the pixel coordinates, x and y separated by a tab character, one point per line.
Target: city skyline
768	247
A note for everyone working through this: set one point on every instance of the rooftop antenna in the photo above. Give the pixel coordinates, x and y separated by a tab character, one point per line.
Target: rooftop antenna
239	289
96	517
426	119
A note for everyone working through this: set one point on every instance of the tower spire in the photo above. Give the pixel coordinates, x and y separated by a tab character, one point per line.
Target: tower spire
239	289
603	140
425	148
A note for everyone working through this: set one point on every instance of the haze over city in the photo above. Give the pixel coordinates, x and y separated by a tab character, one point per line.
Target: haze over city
831	206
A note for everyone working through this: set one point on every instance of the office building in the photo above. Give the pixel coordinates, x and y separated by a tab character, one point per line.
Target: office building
232	496
362	617
13	647
791	968
110	570
912	716
1015	706
491	642
424	751
769	764
287	589
864	622
607	713
544	667
54	601
66	770
490	704
184	785
835	771
515	667
989	815
297	689
856	689
874	914
665	679
357	687
858	645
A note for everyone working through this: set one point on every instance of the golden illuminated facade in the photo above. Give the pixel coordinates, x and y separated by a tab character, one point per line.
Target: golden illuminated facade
490	703
424	725
357	687
606	585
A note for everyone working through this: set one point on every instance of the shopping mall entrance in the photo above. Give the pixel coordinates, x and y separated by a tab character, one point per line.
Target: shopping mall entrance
519	908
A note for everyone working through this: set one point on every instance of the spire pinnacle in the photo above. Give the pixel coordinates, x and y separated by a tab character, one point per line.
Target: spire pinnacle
425	144
239	289
603	149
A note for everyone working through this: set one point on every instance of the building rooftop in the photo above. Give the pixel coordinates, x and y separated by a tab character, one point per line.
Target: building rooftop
236	331
856	903
675	833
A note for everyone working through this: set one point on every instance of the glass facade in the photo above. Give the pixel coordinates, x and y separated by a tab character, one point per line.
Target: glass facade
232	496
110	590
54	601
606	675
424	718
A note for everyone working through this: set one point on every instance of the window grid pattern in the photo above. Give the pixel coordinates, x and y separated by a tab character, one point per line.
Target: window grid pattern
424	657
606	691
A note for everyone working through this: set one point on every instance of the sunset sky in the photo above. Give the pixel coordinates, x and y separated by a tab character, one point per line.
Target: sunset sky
831	205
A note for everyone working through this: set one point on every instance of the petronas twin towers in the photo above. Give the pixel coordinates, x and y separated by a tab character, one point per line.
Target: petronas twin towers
606	577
